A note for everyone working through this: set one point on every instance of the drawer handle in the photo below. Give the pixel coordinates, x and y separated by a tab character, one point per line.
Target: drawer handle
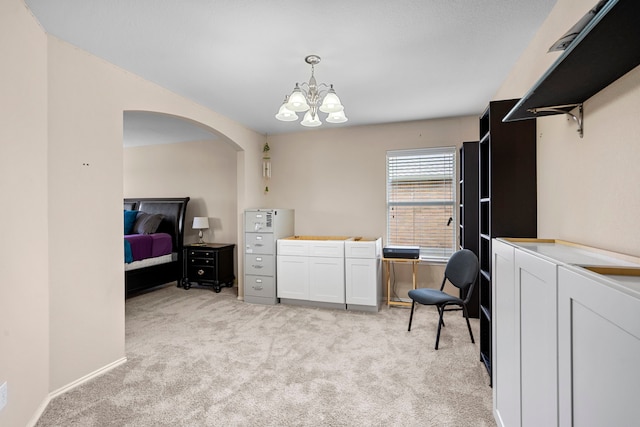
259	245
257	288
200	272
256	266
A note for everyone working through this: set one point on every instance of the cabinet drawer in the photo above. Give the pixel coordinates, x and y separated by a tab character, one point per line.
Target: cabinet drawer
259	243
293	247
258	221
201	253
326	249
363	249
259	286
200	273
201	262
260	265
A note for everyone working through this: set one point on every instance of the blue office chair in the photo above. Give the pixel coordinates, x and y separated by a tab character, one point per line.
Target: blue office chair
461	271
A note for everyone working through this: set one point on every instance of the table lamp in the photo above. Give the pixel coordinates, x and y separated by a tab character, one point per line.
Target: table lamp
200	223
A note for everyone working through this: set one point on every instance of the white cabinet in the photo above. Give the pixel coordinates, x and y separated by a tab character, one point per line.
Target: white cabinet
311	270
363	274
506	353
293	277
566	340
536	290
326	279
599	348
524	338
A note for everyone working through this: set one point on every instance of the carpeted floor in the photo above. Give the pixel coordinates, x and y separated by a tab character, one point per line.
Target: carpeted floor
197	358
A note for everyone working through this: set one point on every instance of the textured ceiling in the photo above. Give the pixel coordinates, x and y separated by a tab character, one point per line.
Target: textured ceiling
388	60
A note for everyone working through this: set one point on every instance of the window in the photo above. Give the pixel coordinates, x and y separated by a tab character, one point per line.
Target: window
421	200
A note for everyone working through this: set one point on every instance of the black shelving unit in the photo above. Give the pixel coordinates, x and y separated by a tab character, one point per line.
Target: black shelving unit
469	202
507	195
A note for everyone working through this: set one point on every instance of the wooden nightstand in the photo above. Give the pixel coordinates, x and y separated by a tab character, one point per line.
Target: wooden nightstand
208	264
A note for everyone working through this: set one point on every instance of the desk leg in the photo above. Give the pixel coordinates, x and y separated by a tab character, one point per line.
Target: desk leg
414	273
388	283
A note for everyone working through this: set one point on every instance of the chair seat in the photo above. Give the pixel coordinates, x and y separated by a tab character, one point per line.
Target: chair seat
428	296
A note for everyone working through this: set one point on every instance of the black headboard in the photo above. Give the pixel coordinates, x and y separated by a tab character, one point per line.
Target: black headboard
173	209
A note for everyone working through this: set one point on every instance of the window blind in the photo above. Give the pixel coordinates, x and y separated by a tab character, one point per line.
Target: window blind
421	200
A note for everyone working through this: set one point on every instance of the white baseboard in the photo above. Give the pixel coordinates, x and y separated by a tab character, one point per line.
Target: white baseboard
70	386
39	412
86	378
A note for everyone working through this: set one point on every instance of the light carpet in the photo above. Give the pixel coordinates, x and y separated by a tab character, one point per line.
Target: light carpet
197	358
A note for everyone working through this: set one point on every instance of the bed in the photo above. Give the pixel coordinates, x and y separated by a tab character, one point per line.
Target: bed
147	273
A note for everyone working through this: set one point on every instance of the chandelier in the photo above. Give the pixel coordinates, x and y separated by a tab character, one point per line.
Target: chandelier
311	98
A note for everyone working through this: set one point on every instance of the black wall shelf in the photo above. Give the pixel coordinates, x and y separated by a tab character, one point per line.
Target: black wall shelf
606	49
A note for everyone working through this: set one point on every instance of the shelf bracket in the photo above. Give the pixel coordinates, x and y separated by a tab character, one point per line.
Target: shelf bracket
561	109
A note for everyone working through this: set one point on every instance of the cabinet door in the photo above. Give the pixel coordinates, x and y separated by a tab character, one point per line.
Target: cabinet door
362	281
326	279
292	277
598	352
505	361
536	293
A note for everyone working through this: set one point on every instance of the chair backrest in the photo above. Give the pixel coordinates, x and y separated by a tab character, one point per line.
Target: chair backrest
462	268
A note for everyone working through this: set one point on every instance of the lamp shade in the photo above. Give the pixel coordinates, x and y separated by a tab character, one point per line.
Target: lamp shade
310	120
297	101
286	115
200	223
331	103
337	117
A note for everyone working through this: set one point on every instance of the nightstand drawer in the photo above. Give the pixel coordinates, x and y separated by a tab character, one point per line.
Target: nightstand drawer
201	273
200	253
201	262
259	286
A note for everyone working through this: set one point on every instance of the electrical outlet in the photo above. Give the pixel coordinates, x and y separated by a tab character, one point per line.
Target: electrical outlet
3	395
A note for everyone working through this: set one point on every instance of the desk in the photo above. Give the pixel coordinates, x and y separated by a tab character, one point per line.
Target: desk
388	262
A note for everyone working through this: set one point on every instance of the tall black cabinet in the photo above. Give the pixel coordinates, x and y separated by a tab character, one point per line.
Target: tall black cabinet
469	215
508	199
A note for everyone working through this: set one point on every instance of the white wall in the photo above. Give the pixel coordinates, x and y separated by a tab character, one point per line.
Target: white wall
335	179
587	188
62	299
203	170
24	263
87	97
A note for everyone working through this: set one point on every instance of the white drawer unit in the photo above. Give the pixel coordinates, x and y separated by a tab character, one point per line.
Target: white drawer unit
262	228
310	270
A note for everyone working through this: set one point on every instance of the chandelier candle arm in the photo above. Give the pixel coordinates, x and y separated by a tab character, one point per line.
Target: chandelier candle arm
310	98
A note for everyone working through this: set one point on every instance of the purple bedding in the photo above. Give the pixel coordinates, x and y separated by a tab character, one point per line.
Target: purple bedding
145	246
